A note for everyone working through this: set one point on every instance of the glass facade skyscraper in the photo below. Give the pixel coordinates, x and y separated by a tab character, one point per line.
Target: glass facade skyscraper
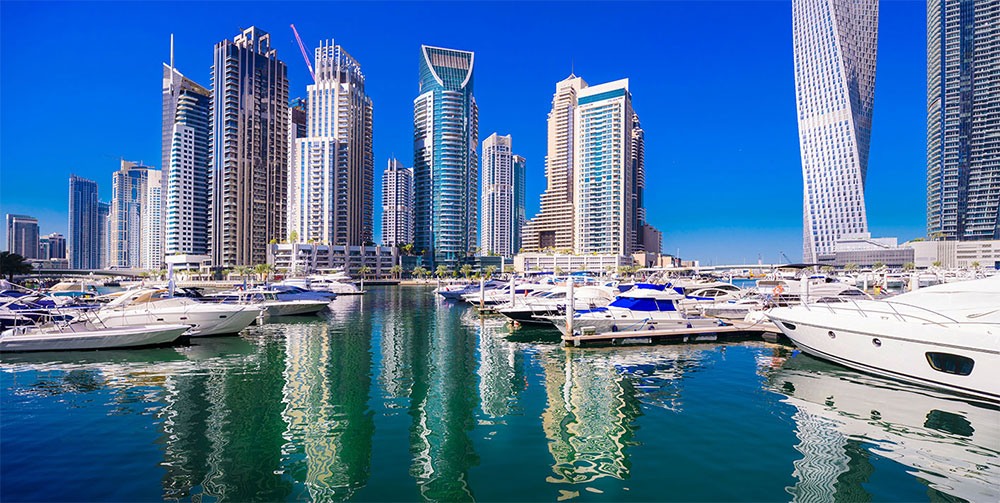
445	157
332	186
963	119
186	160
85	224
249	149
835	47
501	220
128	204
22	235
397	204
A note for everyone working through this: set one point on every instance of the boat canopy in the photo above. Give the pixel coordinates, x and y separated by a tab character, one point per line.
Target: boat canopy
643	304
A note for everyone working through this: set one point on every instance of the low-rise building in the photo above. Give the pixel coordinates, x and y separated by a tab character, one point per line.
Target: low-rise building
865	251
550	262
308	258
950	254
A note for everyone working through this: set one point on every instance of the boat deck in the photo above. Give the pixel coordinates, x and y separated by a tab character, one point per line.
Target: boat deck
735	328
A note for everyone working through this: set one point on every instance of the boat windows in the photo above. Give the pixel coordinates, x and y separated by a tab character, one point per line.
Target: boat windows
950	364
788	325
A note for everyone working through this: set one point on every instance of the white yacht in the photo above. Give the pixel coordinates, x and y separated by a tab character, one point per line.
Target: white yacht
502	295
153	306
338	283
76	336
709	293
644	307
780	293
269	302
531	308
455	291
944	336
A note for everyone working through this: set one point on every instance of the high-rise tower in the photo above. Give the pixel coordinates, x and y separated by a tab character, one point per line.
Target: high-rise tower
445	157
185	162
129	202
835	45
963	129
605	170
501	220
85	224
22	236
397	204
249	150
553	227
332	197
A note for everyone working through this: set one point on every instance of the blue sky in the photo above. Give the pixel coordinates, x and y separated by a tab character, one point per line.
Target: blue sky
712	82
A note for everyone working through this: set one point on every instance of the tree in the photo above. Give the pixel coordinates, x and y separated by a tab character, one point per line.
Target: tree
851	267
364	271
936	263
441	271
243	271
293	237
264	270
489	271
975	264
273	241
12	263
558	271
878	265
909	266
420	272
827	269
408	249
466	270
396	271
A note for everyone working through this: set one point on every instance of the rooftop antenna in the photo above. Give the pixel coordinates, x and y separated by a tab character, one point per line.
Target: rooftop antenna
171	53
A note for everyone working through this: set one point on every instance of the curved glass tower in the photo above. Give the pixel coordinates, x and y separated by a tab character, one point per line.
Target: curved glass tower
835	45
445	159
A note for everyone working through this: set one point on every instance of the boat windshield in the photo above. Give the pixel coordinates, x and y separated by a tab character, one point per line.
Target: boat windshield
643	304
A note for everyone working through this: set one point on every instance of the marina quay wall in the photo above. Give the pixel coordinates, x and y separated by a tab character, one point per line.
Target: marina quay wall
304	258
953	254
528	262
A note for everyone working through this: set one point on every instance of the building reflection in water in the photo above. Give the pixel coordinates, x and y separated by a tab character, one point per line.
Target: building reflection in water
501	367
844	419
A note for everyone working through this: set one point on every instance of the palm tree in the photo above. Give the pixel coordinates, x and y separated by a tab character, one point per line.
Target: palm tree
419	272
936	263
466	269
975	264
408	249
396	271
441	271
364	270
13	263
851	267
264	270
489	271
558	271
909	266
243	271
878	265
293	236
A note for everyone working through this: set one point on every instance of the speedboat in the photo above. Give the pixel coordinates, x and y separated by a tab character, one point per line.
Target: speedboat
86	336
152	306
534	307
269	303
945	336
644	307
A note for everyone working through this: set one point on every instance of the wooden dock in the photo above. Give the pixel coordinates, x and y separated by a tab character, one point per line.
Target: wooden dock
735	328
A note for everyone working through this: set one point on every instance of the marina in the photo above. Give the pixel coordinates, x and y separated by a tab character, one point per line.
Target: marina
400	394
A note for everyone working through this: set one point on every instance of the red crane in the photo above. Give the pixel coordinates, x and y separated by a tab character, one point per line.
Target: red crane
305	56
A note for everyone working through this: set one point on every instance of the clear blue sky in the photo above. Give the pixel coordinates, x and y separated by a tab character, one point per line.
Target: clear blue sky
711	81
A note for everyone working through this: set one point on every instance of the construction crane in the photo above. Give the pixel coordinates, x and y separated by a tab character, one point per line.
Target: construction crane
787	260
305	55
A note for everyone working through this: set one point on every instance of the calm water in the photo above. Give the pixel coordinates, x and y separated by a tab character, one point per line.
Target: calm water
400	396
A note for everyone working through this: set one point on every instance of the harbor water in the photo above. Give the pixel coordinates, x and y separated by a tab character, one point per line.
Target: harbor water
397	395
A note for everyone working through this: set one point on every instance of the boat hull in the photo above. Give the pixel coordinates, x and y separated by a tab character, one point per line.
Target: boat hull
201	323
294	308
608	325
105	338
895	350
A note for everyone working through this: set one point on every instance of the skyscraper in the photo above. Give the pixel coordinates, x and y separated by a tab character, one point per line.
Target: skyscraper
445	157
518	216
835	45
22	235
297	128
500	219
102	240
130	186
332	192
397	204
963	130
604	170
152	222
84	224
249	150
553	226
56	246
185	160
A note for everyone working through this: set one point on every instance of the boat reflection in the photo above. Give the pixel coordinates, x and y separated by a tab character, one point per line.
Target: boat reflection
845	418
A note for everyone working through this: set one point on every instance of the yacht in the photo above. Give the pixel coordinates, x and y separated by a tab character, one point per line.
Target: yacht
338	283
532	308
780	293
456	291
148	306
709	293
945	336
87	336
502	295
644	307
269	302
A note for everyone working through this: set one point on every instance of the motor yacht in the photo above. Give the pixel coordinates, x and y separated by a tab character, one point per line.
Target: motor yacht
151	306
709	293
269	303
534	307
945	336
644	307
502	295
87	336
456	291
339	284
779	293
